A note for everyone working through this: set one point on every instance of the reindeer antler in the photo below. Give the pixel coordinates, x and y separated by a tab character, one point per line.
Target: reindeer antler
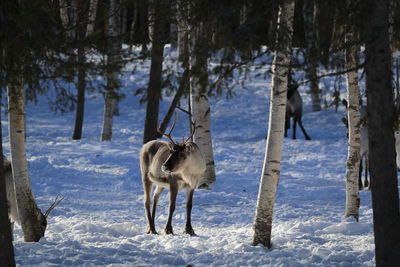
193	124
56	202
170	131
184	111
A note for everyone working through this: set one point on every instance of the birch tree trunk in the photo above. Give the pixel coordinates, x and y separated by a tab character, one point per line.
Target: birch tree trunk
92	16
271	168
200	106
64	7
109	104
6	245
381	117
26	205
353	115
111	96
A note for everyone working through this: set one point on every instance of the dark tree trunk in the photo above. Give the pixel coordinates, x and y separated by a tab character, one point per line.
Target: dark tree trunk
184	84
6	246
385	198
312	54
140	24
273	22
80	102
325	17
81	85
154	87
184	81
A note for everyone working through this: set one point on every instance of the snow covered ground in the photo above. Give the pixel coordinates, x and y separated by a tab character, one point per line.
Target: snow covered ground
101	222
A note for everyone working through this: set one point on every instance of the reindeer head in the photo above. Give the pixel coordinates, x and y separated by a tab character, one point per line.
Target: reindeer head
184	155
42	218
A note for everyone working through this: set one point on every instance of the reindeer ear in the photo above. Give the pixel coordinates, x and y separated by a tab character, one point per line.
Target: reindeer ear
189	147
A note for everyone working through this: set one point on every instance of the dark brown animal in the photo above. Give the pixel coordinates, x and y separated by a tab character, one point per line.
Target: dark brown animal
294	109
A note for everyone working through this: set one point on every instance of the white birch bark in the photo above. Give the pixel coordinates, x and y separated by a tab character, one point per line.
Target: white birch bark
92	16
202	137
26	205
271	168
110	98
109	105
64	13
150	14
353	115
200	106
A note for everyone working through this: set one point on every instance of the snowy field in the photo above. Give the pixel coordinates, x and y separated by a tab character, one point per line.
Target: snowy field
101	222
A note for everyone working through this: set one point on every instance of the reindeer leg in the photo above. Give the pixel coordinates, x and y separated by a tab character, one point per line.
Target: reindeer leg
12	231
294	128
366	183
303	130
189	203
173	192
360	183
156	196
147	185
287	123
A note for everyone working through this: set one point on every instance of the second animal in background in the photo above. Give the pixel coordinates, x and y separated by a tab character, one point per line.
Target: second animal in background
364	149
294	109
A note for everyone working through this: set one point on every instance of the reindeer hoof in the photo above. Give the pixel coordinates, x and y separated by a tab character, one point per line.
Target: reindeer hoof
204	187
190	232
151	231
169	231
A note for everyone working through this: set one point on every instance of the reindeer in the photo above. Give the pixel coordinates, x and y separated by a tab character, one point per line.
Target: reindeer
12	204
397	139
364	147
170	165
294	109
364	153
